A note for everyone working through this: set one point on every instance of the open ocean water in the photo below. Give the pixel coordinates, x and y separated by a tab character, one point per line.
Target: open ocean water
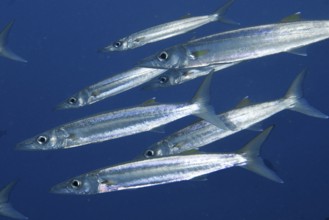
60	41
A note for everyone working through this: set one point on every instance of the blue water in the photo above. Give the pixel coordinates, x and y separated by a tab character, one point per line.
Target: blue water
60	40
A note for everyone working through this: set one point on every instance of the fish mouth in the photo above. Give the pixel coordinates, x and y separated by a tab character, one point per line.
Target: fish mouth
59	189
107	49
25	146
28	145
63	105
149	62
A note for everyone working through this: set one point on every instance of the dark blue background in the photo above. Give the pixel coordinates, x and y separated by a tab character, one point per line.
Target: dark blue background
60	39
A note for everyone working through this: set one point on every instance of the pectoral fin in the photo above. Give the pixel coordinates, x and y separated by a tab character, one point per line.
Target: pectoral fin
300	51
149	102
198	53
292	18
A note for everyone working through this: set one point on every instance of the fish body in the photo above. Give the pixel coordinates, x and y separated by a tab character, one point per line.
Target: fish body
157	171
5	51
240	45
164	31
109	87
124	122
111	125
202	133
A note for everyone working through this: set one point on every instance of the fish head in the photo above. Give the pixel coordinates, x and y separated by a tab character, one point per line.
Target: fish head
159	149
77	100
86	184
172	58
49	140
119	45
171	77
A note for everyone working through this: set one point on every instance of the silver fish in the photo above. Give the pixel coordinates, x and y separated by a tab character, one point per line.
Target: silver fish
122	123
6	208
109	87
5	51
174	77
167	30
164	170
202	133
239	45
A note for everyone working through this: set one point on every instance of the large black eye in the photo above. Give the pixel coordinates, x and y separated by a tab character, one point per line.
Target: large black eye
42	139
163	79
72	100
76	183
117	44
149	153
163	56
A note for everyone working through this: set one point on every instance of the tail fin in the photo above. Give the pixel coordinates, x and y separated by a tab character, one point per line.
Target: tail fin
295	94
4	50
206	111
255	163
222	11
5	207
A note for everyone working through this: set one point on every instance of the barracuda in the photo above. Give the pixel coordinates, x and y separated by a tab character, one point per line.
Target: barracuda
109	87
240	45
202	133
167	30
164	170
123	123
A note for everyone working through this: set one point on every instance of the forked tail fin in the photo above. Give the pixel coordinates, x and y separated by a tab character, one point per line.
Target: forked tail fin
206	111
219	14
5	51
5	207
295	93
255	163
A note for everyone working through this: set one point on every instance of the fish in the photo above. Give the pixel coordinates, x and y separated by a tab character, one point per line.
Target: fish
124	122
163	170
174	77
6	208
167	30
202	133
5	51
109	87
240	45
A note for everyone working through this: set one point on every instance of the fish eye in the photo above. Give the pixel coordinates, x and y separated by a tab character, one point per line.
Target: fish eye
163	56
149	153
163	79
72	100
117	44
42	139
76	183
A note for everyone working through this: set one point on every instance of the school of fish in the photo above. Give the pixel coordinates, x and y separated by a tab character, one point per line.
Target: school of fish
176	157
